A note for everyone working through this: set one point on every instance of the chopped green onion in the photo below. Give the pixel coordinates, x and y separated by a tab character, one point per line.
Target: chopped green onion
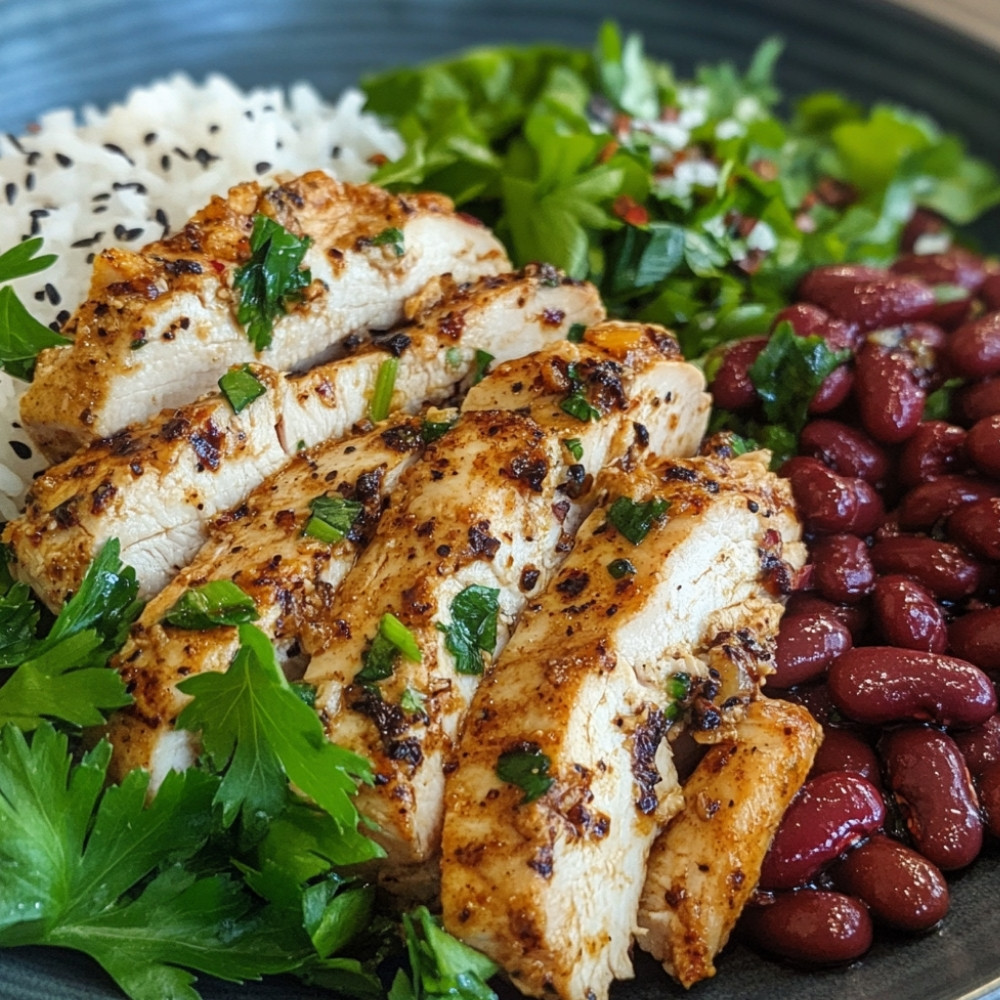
219	602
385	383
332	517
621	568
575	447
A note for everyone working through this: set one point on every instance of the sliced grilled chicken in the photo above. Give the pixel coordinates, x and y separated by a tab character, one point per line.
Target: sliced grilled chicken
493	504
703	869
563	778
264	549
160	326
154	486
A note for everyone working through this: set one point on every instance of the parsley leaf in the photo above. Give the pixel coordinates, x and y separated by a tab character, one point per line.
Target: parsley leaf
634	519
241	387
257	730
271	279
332	517
473	628
21	260
527	767
390	237
391	639
483	361
574	446
218	602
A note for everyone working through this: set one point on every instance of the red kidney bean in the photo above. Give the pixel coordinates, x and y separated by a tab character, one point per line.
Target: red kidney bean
933	501
866	296
935	449
974	348
844	750
811	927
973	402
990	290
900	887
731	386
955	266
809	320
926	774
842	569
815	698
975	637
853	616
943	568
805	647
833	390
831	503
989	797
907	615
922	223
889	397
845	449
830	813
880	684
976	527
980	746
983	443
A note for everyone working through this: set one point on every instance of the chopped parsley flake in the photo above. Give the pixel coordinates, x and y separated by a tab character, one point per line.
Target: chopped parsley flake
633	519
528	768
332	517
241	387
575	447
473	628
219	602
392	639
391	237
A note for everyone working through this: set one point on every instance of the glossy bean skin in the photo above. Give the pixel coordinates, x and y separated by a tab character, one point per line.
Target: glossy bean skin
944	569
833	390
830	813
989	797
842	569
844	750
978	400
926	774
900	887
991	290
853	616
868	297
876	685
890	400
983	444
975	637
976	527
936	448
731	386
831	503
907	615
845	449
980	746
808	320
974	348
805	647
930	502
809	927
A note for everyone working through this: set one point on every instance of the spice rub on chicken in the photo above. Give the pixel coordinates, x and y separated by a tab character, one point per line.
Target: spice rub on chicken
154	486
160	326
563	775
480	525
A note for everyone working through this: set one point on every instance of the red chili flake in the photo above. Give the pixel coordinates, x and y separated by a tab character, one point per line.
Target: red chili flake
217	266
630	211
378	159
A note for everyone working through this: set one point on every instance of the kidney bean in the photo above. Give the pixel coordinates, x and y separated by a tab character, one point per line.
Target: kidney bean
907	615
989	797
842	570
809	320
935	449
844	750
921	344
954	266
930	502
927	776
976	527
923	223
731	386
980	399
980	746
845	449
853	616
880	684
833	390
900	887
830	813
990	290
983	443
831	503
974	348
889	398
811	927
866	296
975	637
815	698
943	568
805	647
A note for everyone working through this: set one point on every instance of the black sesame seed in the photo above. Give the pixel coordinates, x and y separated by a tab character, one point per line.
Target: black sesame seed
164	162
33	157
63	160
335	153
248	114
181	153
262	167
213	128
20	449
129	185
39	213
203	156
36	227
87	241
149	138
52	294
112	147
13	140
62	316
40	295
103	196
29	182
10	191
161	218
90	258
127	235
99	209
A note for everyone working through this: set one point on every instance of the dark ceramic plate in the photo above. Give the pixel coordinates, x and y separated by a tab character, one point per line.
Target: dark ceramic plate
67	52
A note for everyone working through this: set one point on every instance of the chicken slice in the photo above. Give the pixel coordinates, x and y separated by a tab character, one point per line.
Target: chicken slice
263	548
545	877
494	504
154	486
704	868
160	326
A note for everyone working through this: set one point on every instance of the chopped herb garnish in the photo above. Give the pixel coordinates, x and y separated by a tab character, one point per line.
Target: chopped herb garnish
576	405
300	445
620	568
138	344
332	517
431	430
271	279
453	357
385	383
392	639
481	364
633	519
576	332
678	690
528	768
241	387
575	447
411	701
473	628
219	602
391	237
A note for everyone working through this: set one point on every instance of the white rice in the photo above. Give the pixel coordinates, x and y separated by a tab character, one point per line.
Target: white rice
133	173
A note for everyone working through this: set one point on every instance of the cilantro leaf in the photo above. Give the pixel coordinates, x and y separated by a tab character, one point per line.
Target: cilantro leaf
218	602
271	279
241	387
634	519
527	767
332	517
473	627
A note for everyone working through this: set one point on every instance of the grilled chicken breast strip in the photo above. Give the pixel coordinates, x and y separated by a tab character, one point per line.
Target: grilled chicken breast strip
493	505
154	486
563	778
262	547
704	868
160	326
